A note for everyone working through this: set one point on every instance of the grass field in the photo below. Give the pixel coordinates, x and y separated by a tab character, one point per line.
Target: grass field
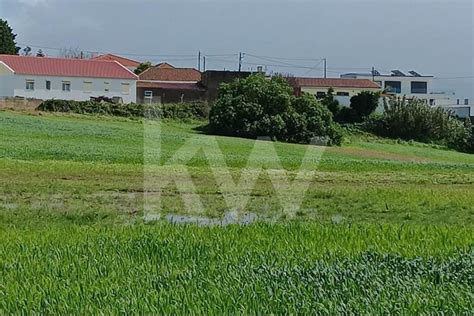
382	226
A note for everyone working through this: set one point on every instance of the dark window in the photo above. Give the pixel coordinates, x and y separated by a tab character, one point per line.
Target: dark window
457	102
48	85
419	87
466	101
344	94
393	86
432	102
320	95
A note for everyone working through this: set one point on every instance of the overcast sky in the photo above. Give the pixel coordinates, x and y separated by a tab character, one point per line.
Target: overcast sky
429	36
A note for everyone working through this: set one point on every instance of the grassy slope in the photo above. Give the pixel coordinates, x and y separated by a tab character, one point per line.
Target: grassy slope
68	184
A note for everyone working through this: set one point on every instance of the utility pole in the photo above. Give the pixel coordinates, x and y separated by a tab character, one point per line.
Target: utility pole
199	60
241	57
325	67
373	73
204	63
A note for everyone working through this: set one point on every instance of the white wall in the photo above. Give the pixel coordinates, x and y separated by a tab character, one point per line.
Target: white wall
18	82
405	84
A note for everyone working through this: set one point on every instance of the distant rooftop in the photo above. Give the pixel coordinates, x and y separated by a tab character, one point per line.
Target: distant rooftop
376	73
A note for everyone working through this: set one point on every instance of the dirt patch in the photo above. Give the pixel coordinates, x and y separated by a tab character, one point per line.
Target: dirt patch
19	104
375	154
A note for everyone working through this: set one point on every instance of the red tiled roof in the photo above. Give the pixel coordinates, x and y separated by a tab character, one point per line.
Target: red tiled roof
336	83
165	65
46	66
170	85
161	73
122	60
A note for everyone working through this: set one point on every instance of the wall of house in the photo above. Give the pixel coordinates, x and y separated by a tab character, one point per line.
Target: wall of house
16	87
169	95
7	82
405	84
212	79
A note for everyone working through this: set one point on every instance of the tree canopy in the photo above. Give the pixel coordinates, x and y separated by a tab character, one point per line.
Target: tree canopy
7	39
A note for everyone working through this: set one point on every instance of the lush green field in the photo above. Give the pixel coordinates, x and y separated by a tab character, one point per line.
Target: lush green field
382	227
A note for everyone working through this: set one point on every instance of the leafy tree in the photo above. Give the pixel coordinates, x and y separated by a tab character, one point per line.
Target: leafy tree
365	103
416	120
40	53
27	51
142	67
257	106
331	103
7	39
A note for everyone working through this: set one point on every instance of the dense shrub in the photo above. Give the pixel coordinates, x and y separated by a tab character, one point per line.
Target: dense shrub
256	106
197	110
415	120
362	105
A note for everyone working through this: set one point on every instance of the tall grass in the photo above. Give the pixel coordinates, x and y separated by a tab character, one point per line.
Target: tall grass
299	268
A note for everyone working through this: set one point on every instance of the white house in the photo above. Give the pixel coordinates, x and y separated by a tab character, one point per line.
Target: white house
411	85
68	79
414	85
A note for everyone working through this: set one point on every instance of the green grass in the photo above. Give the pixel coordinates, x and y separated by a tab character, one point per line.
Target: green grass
383	227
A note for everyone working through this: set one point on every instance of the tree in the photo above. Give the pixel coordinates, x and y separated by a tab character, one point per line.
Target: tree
331	103
27	51
74	53
40	53
7	39
364	104
142	67
257	106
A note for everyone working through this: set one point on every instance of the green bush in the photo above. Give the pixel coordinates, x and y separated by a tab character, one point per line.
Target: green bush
416	120
259	107
195	110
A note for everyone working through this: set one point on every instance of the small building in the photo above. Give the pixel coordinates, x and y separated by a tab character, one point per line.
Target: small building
344	89
69	79
212	79
129	63
165	83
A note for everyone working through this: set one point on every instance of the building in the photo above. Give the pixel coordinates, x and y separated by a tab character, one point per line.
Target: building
343	88
165	83
415	85
212	79
129	63
69	79
411	85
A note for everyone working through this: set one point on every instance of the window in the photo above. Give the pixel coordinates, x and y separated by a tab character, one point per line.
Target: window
30	85
432	102
466	101
393	86
125	88
48	85
87	86
419	87
148	94
457	102
343	94
106	86
320	95
66	86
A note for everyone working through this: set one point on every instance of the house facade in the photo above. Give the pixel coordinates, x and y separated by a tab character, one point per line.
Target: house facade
165	83
344	89
68	79
411	84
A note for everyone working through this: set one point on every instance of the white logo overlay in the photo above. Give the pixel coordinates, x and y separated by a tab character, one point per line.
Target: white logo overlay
184	175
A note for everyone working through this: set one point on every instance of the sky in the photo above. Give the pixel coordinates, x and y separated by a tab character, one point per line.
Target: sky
433	37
